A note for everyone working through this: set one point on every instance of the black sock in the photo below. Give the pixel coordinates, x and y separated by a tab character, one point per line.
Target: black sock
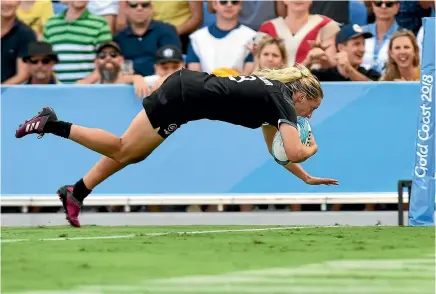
80	191
58	128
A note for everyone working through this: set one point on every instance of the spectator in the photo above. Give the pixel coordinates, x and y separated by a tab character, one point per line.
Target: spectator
74	34
254	13
109	62
169	59
337	10
35	14
221	46
305	35
107	9
404	61
411	13
41	59
144	36
109	67
420	40
271	54
16	37
186	16
350	42
376	48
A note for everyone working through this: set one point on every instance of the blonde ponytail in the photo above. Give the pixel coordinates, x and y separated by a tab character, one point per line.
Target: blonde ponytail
297	79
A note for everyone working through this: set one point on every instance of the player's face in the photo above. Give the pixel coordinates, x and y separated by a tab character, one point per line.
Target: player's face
305	107
403	52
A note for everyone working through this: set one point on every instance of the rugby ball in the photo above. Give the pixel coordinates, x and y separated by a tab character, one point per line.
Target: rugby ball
278	150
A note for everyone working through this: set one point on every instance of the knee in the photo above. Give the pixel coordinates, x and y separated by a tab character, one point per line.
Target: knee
127	156
129	159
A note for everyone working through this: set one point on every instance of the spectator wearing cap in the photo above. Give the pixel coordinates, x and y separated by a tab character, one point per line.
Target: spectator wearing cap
16	37
384	27
144	36
74	34
350	42
169	59
109	63
41	58
221	47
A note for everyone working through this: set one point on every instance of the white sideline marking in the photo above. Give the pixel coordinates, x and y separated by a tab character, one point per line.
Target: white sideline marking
157	234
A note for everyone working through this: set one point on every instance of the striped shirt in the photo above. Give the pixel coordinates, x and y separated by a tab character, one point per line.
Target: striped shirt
75	43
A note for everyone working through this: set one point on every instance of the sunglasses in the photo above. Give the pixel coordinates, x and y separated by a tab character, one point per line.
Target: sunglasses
136	4
224	2
43	61
388	4
102	55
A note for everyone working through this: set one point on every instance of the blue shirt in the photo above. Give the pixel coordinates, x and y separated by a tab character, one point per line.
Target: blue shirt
216	32
14	46
142	49
371	28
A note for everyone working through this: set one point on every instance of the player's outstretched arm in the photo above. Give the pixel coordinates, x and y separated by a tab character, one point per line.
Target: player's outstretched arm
300	173
296	169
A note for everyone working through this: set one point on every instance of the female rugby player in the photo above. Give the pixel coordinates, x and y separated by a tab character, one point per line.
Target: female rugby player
269	97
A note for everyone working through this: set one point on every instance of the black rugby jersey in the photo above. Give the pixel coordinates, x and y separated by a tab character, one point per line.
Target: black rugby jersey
248	101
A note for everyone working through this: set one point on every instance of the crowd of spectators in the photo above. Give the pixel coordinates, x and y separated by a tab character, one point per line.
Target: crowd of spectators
102	41
52	42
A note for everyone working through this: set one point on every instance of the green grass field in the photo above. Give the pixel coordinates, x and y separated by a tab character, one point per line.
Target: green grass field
218	260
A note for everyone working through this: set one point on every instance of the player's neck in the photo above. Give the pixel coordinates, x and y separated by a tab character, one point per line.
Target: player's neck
226	24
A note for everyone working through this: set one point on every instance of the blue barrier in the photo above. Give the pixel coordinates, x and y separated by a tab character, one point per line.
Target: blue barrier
366	133
422	205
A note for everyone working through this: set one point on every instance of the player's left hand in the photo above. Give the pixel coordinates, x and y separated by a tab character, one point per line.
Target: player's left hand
141	88
321	181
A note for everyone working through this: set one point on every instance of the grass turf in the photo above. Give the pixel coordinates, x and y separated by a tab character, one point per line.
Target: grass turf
35	264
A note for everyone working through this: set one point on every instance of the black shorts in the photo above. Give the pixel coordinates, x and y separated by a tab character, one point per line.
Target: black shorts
165	107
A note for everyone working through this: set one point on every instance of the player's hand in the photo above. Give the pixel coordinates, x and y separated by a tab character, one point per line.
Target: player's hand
141	88
321	181
312	144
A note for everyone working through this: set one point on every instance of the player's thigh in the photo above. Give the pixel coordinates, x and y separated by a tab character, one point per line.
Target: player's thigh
139	140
